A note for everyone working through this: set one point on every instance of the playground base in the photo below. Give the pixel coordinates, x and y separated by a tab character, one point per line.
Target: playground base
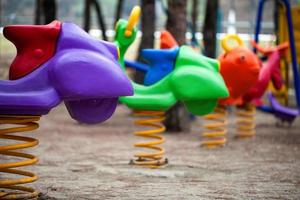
91	162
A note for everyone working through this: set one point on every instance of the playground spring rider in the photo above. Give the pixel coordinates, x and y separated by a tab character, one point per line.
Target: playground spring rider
55	62
161	68
151	118
184	83
281	112
245	122
270	71
239	69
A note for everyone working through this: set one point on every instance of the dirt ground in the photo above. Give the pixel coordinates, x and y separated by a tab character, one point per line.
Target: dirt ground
91	162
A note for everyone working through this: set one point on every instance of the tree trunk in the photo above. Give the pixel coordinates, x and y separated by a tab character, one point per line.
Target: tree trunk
210	28
49	9
87	15
119	10
101	22
1	12
38	11
176	22
45	11
195	14
148	28
177	118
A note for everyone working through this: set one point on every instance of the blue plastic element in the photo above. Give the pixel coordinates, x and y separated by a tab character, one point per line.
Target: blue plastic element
266	109
137	65
296	74
161	63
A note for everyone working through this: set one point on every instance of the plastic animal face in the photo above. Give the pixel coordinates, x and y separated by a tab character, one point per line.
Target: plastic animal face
270	71
240	69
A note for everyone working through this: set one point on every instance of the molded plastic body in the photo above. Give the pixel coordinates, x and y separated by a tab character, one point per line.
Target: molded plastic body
269	71
281	112
195	80
167	41
83	72
296	74
35	45
162	63
137	65
240	69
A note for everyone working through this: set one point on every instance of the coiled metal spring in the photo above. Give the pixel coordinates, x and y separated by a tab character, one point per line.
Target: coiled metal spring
245	121
12	188
215	128
148	159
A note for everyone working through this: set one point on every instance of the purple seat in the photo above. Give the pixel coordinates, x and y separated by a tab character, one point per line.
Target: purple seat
281	112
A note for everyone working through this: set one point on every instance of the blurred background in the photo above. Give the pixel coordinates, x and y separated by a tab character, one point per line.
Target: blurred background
95	16
237	14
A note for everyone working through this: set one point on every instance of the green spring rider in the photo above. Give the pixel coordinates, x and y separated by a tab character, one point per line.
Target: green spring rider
195	81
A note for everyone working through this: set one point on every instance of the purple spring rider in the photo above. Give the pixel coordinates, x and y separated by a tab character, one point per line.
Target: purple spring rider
281	112
54	63
60	62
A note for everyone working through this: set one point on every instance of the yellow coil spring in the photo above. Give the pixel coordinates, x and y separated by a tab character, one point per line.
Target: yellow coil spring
215	130
245	121
11	188
151	160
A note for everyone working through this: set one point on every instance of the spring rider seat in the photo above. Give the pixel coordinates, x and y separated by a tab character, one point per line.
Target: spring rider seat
195	81
58	62
161	66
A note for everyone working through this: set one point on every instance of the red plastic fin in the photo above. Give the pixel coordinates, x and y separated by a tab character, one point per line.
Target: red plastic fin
167	41
35	45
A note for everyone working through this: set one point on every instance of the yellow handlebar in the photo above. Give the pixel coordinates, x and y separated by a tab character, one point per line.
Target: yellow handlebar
132	20
232	37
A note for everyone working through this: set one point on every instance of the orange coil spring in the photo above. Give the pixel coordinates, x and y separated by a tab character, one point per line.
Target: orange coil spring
245	121
215	130
151	119
11	188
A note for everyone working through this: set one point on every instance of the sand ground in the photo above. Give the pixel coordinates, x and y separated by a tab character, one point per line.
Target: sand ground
91	162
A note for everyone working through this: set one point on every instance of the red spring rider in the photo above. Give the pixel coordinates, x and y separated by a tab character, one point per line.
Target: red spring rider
270	71
239	69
